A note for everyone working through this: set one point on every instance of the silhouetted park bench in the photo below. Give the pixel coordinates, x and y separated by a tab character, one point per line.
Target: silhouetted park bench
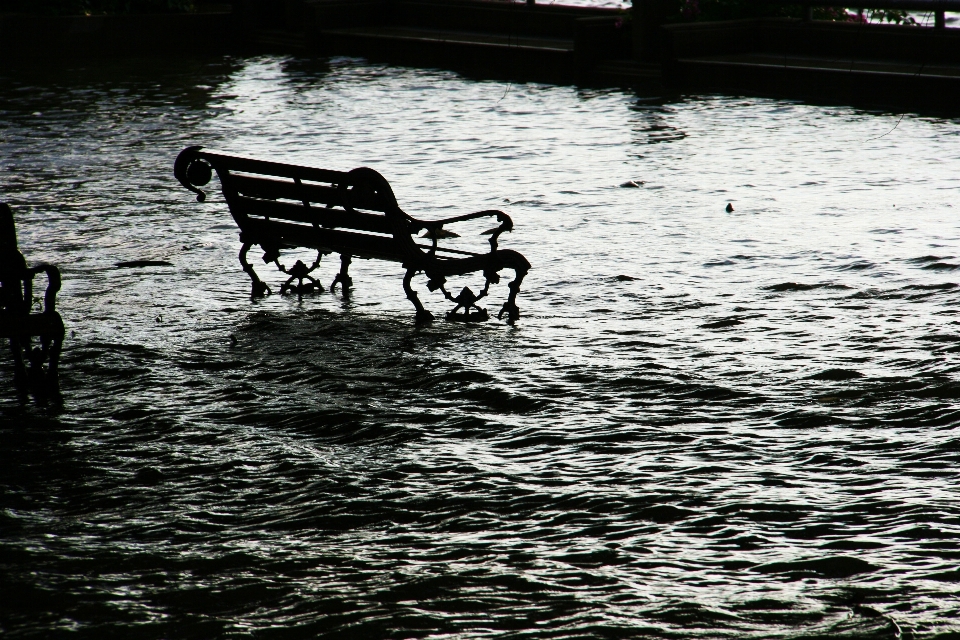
355	214
17	322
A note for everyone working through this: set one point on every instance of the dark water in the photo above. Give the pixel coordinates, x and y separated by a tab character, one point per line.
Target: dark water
705	424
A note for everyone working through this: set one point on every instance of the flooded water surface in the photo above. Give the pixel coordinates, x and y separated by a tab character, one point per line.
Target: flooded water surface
705	423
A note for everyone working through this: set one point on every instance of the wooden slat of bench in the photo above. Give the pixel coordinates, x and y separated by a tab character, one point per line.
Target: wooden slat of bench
268	189
222	162
356	244
314	215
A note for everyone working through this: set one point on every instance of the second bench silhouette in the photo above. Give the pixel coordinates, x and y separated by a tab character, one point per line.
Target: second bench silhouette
19	323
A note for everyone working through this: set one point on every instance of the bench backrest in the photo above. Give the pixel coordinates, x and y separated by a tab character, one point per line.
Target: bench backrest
360	201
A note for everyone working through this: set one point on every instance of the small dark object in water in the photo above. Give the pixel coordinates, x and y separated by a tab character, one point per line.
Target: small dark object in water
837	375
722	324
233	340
17	323
623	278
729	207
632	184
283	206
149	476
159	319
136	264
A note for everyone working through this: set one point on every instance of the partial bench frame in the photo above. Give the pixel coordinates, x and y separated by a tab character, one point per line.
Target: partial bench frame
18	323
355	214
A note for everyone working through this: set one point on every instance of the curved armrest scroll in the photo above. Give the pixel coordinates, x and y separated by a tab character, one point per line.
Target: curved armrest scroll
192	171
53	285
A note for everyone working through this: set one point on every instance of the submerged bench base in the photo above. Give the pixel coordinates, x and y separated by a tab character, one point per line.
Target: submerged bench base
466	300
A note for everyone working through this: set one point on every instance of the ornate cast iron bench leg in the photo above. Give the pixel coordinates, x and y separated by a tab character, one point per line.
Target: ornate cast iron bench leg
300	272
52	335
343	277
510	306
46	353
423	316
259	286
467	299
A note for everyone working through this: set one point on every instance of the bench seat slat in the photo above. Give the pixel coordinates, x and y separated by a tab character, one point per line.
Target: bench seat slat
314	215
366	246
295	235
267	189
222	162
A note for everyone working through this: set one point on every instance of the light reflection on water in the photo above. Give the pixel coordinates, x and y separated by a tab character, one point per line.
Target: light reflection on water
705	423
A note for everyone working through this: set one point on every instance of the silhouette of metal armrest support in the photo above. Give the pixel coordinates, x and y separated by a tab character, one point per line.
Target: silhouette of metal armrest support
434	227
53	285
355	214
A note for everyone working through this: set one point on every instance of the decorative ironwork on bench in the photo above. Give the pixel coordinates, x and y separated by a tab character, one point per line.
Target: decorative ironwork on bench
354	214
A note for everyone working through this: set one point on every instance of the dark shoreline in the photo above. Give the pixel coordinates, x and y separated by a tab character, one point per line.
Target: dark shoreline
871	65
25	37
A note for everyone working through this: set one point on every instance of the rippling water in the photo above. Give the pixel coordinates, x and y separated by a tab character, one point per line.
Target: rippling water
704	424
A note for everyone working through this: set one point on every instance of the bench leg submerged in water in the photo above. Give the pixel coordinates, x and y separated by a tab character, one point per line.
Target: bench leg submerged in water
48	353
466	300
422	314
260	288
343	277
44	360
510	306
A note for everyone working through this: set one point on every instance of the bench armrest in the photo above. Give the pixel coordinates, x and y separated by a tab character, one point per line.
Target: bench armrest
53	285
506	224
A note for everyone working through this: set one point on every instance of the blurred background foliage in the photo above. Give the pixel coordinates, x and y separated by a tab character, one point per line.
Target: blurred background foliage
707	10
